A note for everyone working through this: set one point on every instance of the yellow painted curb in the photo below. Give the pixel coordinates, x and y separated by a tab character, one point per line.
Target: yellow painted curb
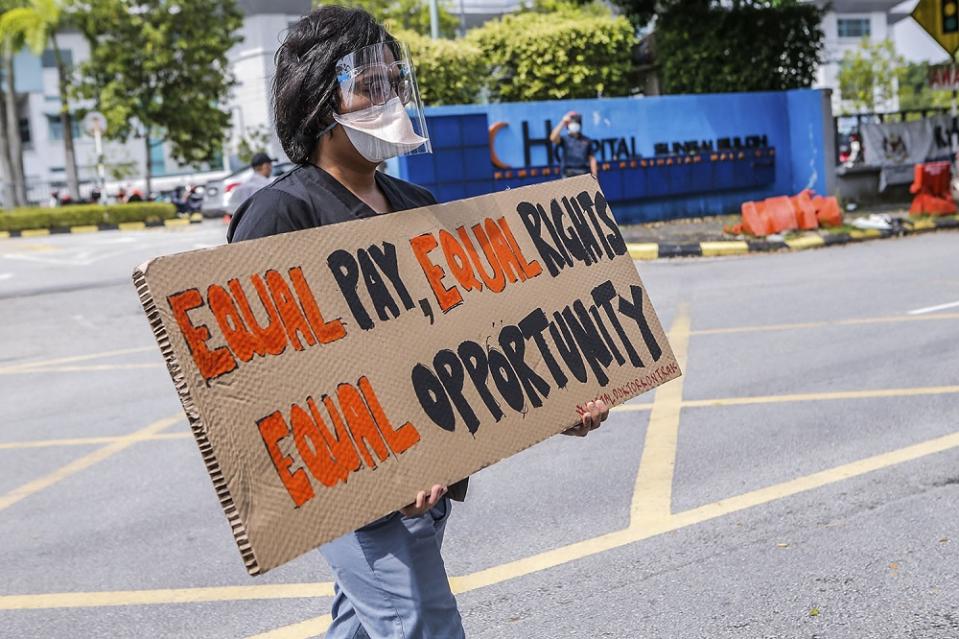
196	217
131	226
923	225
87	228
34	232
862	234
643	251
176	222
805	242
4	234
711	249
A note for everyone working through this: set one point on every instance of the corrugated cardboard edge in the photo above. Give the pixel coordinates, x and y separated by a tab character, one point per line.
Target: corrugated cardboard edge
193	416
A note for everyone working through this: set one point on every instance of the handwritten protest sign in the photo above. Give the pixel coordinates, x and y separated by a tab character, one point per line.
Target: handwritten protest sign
330	374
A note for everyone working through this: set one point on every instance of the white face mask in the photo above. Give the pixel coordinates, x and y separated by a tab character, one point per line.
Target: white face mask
574	127
380	132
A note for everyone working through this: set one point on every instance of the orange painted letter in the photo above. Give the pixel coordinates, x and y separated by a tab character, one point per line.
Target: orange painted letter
272	429
290	312
361	424
313	449
211	363
326	332
238	338
447	297
398	440
533	268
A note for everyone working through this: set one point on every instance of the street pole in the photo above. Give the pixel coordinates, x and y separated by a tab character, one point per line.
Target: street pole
98	146
434	20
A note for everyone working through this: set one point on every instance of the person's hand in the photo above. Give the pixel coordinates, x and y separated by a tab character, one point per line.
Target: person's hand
424	501
568	117
596	413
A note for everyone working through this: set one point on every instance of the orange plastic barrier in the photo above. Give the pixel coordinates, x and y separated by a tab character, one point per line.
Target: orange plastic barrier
754	220
805	211
827	211
931	184
778	214
781	215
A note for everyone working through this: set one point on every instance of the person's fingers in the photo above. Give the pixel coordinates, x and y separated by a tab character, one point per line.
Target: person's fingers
595	413
604	413
420	499
436	492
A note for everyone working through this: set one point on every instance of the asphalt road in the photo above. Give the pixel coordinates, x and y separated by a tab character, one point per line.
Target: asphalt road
801	480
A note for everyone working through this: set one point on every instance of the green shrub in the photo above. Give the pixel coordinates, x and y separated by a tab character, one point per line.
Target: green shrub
447	71
84	214
571	53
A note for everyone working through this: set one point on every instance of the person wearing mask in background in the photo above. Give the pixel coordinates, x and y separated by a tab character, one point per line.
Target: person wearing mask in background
577	150
345	100
262	174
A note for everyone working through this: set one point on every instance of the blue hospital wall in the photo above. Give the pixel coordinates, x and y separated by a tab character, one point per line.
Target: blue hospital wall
790	124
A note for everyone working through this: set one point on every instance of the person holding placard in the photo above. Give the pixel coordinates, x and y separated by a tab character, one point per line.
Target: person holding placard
345	100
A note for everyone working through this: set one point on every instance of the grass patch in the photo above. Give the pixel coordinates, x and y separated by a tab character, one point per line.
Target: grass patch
85	215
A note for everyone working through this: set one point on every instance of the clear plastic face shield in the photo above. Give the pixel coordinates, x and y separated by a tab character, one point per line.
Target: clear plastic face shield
379	102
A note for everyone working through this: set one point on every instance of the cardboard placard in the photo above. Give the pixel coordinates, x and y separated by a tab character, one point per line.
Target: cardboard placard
330	374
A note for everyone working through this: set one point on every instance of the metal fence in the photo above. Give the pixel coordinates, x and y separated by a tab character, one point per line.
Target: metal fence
846	125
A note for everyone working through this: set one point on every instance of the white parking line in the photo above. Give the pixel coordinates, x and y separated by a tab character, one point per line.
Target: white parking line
933	309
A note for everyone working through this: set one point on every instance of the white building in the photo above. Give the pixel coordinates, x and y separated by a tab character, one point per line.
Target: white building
38	100
264	24
844	27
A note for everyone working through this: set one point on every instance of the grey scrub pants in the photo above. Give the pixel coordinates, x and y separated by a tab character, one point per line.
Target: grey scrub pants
390	580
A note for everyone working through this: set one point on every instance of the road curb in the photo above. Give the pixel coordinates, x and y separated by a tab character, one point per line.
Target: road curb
195	218
654	250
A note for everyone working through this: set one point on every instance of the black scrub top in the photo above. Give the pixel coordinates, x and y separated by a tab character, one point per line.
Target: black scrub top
307	197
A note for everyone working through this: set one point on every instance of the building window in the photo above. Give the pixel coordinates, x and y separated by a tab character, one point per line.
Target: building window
157	161
49	61
853	27
55	127
24	126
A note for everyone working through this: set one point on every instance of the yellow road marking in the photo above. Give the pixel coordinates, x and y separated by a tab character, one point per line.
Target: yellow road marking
80	369
711	249
302	630
89	441
84	462
689	403
653	491
131	226
176	222
34	232
165	596
74	358
923	225
862	234
818	397
610	541
513	569
643	251
628	408
758	328
805	242
85	228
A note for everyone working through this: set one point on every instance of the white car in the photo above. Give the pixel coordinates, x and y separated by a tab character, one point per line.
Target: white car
216	200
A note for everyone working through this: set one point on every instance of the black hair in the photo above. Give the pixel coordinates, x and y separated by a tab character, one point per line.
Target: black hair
304	87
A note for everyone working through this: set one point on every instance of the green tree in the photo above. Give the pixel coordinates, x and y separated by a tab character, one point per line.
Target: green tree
868	74
252	141
447	71
407	15
705	46
569	53
158	68
35	25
